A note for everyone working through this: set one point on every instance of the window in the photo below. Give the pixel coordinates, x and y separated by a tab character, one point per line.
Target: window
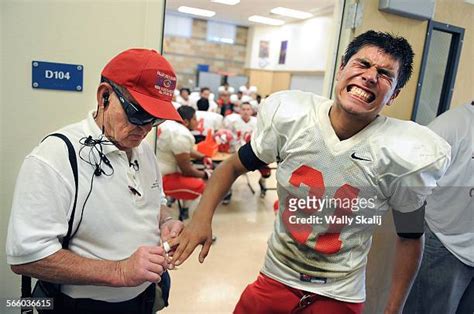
176	25
221	32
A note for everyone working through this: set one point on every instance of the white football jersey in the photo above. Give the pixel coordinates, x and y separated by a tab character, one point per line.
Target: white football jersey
229	120
238	126
207	120
182	101
332	193
173	138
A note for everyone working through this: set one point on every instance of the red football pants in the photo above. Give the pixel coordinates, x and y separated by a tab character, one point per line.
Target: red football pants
268	296
183	188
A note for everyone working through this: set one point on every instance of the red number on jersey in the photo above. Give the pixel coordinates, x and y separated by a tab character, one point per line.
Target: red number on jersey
329	242
200	126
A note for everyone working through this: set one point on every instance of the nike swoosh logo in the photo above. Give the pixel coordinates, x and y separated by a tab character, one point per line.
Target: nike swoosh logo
353	156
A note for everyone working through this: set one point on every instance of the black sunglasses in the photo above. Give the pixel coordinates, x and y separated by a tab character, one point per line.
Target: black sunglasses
135	114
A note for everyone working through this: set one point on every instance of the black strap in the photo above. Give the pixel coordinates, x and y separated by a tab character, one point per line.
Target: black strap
73	162
25	280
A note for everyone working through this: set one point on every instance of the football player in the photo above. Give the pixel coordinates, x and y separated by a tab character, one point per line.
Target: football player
175	146
349	160
242	126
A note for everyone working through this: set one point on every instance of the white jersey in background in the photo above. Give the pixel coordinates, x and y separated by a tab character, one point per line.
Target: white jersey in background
390	163
173	138
248	91
176	104
239	127
230	119
182	101
207	120
450	209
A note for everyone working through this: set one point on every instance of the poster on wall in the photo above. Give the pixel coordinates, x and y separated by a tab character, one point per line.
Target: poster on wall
263	53
283	46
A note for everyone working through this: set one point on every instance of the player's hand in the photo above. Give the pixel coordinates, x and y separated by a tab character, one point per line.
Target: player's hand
146	264
208	163
197	232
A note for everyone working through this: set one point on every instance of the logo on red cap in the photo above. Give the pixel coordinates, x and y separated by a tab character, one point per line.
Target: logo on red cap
165	84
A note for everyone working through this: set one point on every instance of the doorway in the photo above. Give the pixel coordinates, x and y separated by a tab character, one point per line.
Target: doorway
440	61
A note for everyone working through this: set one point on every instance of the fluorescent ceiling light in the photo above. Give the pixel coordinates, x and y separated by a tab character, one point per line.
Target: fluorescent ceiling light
291	13
196	11
265	20
228	2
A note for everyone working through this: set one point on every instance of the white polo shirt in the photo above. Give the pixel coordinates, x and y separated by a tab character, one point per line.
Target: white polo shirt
115	221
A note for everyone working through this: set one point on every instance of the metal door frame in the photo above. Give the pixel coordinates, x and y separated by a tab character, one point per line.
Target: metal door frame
451	68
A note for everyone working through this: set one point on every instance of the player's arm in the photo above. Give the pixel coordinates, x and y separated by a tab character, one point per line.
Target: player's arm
197	155
199	229
408	254
184	163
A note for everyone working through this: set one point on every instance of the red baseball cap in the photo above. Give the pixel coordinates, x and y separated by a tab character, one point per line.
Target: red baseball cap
148	77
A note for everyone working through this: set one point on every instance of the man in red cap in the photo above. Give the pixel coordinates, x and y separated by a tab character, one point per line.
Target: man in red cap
93	237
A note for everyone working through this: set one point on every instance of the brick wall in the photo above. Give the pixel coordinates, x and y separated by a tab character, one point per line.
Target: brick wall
185	54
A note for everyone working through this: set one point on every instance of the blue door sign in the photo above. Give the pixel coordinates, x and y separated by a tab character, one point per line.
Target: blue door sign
58	76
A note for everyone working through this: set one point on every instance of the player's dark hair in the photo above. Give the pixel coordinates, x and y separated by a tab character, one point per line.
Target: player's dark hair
396	46
185	89
203	89
203	104
186	112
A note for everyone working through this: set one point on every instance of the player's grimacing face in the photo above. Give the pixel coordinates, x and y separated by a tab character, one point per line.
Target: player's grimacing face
367	82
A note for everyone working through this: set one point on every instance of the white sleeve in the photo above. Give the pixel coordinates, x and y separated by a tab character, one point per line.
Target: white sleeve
264	140
409	192
182	144
38	219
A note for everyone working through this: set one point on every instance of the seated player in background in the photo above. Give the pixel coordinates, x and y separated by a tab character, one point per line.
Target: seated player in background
231	118
183	97
206	120
206	99
226	88
224	103
242	126
247	89
175	149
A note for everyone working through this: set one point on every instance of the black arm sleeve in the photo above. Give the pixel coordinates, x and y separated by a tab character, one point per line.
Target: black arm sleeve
410	225
249	159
